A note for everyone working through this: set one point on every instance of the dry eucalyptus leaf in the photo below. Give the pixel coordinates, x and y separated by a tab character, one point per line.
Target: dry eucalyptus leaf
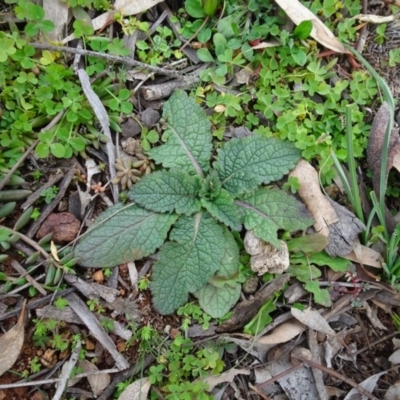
57	12
313	319
11	343
368	384
98	382
372	314
124	7
395	357
374	19
129	7
137	390
393	392
283	333
365	255
320	207
299	13
227	376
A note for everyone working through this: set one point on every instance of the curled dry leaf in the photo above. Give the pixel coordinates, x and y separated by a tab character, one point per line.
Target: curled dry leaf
227	376
313	319
123	7
283	333
137	390
11	343
299	13
310	192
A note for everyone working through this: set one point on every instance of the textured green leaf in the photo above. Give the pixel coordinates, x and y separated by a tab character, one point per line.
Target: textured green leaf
217	299
185	264
188	145
122	234
321	296
302	271
167	191
262	319
267	210
324	259
224	210
245	163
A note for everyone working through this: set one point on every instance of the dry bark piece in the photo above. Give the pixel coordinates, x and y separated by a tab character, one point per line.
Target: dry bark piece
246	310
64	227
344	232
320	207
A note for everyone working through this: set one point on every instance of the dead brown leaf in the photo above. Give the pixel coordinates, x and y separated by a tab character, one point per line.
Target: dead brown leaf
283	333
313	319
137	390
227	376
11	343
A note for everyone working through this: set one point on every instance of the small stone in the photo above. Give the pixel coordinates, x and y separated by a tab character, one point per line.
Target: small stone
130	128
131	146
251	284
149	117
64	226
98	276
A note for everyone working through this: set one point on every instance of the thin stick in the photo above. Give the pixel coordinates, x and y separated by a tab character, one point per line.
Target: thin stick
25	274
349	381
124	60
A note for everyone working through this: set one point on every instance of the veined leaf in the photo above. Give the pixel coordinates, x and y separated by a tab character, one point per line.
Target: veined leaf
245	163
185	264
217	299
224	210
188	145
122	234
267	210
167	191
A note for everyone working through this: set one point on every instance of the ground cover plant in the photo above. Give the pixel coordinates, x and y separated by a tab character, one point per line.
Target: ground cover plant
202	202
156	291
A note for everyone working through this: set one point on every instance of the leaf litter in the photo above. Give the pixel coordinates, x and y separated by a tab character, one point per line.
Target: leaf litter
222	290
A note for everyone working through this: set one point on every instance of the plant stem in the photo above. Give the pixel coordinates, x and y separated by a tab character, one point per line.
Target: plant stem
124	60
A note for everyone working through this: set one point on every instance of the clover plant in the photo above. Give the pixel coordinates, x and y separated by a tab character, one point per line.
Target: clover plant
192	205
